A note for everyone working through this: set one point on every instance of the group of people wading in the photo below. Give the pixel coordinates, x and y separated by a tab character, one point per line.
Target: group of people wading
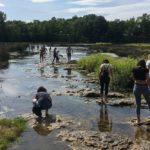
141	76
56	55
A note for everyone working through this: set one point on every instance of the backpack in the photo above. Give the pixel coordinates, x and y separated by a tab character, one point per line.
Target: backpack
105	72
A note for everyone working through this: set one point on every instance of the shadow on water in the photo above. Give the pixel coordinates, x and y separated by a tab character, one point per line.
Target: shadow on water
42	125
142	133
41	71
56	70
69	71
4	64
105	122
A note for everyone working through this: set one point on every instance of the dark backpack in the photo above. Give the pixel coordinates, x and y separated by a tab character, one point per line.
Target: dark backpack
105	72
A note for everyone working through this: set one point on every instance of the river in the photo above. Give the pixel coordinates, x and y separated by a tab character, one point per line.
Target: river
18	85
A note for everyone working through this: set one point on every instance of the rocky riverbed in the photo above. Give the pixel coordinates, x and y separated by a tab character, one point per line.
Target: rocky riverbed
78	119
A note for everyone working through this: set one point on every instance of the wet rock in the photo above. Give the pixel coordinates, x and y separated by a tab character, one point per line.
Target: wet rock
67	68
73	62
49	123
121	102
142	145
91	74
144	121
90	94
116	95
92	140
117	102
83	71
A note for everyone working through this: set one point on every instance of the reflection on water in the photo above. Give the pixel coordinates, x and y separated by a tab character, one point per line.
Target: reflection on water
4	64
142	133
104	123
56	70
69	72
43	126
41	71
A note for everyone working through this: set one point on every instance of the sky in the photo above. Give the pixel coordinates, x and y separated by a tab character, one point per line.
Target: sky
29	10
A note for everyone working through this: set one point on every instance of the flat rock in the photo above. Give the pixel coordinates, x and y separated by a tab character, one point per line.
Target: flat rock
92	140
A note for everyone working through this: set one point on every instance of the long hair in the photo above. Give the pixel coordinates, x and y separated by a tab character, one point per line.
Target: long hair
142	63
41	89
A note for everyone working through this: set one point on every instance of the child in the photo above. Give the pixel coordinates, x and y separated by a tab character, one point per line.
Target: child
41	102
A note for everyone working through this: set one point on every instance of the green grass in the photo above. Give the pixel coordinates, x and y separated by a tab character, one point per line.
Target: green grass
137	44
103	43
10	130
122	69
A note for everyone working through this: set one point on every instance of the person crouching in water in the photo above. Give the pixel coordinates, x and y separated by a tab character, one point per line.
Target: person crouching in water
41	102
141	83
104	78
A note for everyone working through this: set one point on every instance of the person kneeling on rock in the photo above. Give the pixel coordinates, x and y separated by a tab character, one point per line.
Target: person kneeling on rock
42	101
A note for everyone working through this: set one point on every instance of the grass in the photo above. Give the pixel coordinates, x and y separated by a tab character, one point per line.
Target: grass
122	69
137	44
10	130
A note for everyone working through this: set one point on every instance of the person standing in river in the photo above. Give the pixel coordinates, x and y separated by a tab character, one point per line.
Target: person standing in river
54	55
141	83
69	51
104	78
42	54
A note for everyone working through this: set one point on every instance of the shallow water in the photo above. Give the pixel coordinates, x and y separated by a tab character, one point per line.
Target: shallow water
18	85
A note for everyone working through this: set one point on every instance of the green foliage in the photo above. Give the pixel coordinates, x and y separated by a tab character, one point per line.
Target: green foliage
122	69
89	28
10	130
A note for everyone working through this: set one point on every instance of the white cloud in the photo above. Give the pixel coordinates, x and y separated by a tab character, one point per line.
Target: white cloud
41	1
2	5
115	12
90	2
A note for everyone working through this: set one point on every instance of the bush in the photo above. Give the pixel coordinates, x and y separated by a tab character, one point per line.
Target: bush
122	69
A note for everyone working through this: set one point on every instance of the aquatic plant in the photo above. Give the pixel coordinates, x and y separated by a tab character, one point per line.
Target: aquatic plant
10	130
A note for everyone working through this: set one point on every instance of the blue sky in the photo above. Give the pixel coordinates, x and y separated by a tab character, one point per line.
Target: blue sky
28	10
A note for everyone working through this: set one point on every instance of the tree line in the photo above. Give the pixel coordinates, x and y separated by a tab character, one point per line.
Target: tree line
89	28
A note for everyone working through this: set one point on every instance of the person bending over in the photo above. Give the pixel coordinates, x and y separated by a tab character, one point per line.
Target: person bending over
41	102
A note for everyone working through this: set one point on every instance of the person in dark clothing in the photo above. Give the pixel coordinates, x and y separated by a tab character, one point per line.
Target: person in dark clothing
42	53
41	102
54	55
57	57
141	83
104	78
69	51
